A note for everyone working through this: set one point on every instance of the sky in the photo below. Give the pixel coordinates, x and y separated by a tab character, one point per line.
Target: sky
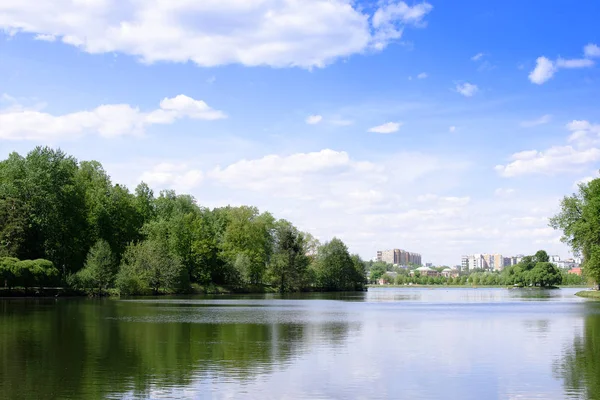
443	128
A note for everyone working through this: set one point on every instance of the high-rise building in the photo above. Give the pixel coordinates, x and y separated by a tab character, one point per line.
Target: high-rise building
398	257
493	262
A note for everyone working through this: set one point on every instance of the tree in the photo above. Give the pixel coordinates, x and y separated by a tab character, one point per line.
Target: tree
545	274
149	264
334	268
377	271
579	219
289	260
541	256
248	232
99	270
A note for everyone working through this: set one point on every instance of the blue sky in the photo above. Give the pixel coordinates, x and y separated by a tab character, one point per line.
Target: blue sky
445	128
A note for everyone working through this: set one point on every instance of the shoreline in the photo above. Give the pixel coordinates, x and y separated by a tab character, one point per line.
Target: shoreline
589	294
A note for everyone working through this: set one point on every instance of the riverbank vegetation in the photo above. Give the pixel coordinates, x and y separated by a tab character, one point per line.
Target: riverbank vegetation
590	294
98	237
579	220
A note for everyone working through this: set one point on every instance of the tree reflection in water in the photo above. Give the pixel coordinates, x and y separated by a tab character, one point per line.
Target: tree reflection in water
99	349
579	366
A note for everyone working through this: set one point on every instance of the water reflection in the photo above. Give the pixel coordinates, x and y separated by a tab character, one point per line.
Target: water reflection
388	343
579	366
98	349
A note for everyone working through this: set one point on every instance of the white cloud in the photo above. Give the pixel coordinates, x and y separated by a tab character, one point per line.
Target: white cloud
388	127
572	158
45	37
551	161
422	75
467	89
108	120
452	129
373	204
477	57
584	133
544	70
585	180
278	33
176	176
574	63
544	119
591	50
314	119
388	20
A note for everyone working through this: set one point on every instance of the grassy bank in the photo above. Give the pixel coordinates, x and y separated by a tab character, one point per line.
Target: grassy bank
590	294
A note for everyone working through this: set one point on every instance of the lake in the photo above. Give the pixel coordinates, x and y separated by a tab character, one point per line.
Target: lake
387	343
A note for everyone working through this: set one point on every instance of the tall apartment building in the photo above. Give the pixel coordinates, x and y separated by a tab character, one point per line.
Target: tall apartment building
490	262
398	257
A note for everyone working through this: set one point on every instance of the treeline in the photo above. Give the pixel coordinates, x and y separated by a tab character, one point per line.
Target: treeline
535	270
99	235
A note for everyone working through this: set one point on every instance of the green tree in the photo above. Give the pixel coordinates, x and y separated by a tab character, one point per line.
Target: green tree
99	270
545	274
579	219
334	268
288	264
377	271
541	256
149	264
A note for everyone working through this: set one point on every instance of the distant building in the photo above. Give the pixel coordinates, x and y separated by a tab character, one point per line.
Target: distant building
449	273
554	259
429	265
576	271
399	257
425	271
566	264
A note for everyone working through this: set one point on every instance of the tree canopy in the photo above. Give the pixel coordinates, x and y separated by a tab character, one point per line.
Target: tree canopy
579	220
98	235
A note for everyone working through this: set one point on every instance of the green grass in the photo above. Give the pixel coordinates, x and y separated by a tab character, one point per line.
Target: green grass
590	294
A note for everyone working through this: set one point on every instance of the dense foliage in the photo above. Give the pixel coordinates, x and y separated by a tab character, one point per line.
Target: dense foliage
579	219
100	236
27	273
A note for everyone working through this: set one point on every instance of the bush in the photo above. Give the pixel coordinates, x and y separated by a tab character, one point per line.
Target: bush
27	273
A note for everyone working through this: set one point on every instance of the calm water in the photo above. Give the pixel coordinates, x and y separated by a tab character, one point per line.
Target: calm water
384	344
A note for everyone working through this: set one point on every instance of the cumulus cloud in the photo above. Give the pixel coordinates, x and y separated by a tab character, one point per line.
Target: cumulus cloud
557	159
373	203
176	176
584	133
313	119
467	89
422	75
591	50
543	71
452	129
544	119
277	33
108	120
477	57
388	127
546	68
